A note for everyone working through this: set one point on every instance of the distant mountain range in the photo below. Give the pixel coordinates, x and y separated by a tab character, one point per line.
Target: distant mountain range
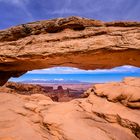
55	81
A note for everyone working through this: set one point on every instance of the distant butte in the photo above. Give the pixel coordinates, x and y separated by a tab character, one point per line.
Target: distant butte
73	41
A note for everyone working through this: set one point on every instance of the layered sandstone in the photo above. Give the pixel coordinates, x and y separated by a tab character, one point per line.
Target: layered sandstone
104	115
72	41
126	92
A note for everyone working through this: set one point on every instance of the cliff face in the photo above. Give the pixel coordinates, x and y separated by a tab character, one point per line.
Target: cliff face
73	41
110	112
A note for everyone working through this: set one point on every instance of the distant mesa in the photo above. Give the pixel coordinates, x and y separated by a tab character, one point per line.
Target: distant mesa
57	93
55	81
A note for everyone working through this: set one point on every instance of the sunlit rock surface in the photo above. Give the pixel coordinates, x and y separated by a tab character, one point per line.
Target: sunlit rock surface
73	41
110	112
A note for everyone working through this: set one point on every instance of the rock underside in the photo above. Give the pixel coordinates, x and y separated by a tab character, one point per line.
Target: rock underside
73	41
110	112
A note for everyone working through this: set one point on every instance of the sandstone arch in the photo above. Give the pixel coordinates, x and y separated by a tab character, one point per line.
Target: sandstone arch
72	41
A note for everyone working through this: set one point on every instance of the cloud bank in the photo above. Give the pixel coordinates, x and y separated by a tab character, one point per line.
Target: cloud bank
69	70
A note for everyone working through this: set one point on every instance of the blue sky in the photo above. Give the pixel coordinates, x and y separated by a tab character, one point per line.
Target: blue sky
64	74
14	12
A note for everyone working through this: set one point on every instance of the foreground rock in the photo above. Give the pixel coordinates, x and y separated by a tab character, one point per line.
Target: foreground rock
97	117
126	92
72	41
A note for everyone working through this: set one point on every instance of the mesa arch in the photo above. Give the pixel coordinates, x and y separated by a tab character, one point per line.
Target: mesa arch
73	41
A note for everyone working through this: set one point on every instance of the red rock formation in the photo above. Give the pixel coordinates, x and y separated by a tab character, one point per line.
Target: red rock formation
72	41
126	92
59	94
103	115
110	112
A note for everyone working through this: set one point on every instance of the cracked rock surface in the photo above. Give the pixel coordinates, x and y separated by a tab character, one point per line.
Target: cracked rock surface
73	41
104	115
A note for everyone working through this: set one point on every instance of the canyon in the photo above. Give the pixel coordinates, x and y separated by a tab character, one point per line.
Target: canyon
57	92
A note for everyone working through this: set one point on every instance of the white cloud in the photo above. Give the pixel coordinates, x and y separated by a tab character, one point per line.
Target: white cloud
67	8
21	4
39	80
60	79
15	2
70	70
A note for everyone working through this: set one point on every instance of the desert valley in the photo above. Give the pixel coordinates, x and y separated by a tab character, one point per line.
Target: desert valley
59	93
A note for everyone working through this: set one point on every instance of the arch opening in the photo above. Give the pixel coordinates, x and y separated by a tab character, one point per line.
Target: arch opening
67	83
